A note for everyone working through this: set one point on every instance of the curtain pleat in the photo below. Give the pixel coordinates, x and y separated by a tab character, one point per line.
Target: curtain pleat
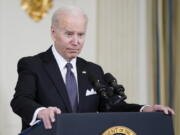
176	58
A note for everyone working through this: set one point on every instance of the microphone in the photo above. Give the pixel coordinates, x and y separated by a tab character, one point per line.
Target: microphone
108	92
104	92
99	87
118	89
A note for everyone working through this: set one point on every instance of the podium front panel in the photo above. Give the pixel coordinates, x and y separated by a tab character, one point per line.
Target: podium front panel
130	123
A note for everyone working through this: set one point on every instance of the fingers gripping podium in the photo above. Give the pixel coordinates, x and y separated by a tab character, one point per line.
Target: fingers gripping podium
125	123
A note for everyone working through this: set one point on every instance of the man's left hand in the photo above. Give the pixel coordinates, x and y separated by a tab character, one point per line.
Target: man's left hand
154	108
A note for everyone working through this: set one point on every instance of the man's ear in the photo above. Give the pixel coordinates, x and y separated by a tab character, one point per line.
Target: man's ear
53	34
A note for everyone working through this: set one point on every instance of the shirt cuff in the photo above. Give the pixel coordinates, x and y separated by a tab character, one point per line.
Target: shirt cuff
141	110
34	119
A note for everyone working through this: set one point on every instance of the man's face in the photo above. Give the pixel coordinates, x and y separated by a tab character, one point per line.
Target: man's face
69	36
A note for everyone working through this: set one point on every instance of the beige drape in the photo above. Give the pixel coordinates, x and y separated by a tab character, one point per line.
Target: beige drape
162	50
168	74
176	44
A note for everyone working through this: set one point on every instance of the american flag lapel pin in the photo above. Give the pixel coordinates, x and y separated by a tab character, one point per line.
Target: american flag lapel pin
84	72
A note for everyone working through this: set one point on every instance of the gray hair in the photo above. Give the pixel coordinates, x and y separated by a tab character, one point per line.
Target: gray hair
67	10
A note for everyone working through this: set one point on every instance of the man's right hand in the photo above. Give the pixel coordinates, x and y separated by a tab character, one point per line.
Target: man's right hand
48	116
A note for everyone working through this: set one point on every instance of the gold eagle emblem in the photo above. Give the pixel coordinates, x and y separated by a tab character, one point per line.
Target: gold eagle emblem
118	130
36	9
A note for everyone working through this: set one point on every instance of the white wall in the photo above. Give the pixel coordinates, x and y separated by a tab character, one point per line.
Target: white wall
143	50
123	47
20	36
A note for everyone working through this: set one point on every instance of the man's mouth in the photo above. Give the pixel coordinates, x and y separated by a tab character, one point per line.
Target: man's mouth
73	50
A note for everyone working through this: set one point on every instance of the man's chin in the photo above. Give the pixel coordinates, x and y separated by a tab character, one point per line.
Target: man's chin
72	57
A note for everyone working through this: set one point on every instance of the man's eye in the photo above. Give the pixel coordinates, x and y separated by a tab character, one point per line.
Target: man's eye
81	34
69	33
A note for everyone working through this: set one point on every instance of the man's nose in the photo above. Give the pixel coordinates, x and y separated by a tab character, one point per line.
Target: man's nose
75	40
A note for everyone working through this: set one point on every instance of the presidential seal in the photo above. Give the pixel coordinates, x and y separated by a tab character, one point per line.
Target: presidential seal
36	9
118	130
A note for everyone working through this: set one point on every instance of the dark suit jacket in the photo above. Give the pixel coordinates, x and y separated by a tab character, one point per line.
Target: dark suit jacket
40	84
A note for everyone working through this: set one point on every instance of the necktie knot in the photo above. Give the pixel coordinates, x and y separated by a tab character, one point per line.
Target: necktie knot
69	66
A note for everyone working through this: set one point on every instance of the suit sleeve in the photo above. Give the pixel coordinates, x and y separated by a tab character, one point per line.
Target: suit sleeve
126	107
24	101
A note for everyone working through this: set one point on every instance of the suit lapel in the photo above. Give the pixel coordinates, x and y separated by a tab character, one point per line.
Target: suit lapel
82	80
54	73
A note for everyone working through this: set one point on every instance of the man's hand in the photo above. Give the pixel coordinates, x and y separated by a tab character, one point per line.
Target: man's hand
155	108
48	116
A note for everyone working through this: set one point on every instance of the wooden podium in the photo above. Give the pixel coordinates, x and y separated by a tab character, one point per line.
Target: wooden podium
124	123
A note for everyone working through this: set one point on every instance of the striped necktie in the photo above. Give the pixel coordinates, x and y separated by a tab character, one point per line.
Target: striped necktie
71	87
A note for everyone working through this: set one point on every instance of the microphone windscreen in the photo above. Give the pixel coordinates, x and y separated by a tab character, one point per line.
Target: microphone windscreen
95	81
108	77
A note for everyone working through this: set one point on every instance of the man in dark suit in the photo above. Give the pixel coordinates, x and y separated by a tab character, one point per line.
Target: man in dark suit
42	89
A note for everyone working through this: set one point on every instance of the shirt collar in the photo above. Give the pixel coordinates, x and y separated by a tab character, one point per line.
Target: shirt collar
61	61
